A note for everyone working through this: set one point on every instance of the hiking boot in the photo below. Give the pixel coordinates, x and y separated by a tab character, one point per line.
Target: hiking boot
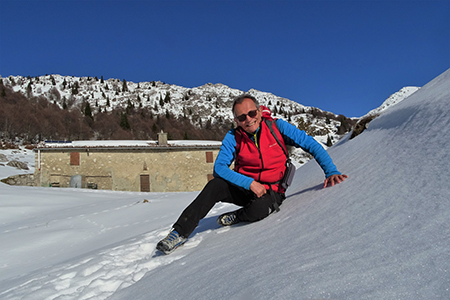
228	219
171	242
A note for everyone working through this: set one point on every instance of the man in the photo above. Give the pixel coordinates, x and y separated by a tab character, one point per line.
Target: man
259	154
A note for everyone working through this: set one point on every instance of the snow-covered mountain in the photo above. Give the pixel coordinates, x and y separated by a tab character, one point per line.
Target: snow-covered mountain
207	103
210	101
393	100
381	234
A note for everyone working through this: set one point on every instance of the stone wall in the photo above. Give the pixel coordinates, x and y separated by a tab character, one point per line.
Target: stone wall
23	179
154	170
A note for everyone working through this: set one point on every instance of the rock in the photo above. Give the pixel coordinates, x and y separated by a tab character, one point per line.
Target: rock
18	164
23	180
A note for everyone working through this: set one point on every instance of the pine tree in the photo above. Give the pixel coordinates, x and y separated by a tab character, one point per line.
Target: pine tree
29	89
124	86
124	122
88	111
3	93
130	106
167	98
329	142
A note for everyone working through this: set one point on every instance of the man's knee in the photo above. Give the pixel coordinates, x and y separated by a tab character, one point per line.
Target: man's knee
258	209
216	183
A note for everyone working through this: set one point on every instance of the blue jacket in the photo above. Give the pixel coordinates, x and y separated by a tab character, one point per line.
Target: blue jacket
292	136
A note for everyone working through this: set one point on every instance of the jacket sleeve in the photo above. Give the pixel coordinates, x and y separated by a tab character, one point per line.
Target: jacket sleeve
225	158
295	137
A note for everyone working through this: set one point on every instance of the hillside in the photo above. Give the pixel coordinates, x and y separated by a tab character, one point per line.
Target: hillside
55	107
208	102
381	234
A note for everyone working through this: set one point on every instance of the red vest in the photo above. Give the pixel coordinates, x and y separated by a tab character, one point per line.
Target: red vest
266	163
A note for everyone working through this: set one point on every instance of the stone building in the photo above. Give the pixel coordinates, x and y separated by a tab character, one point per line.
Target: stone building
145	166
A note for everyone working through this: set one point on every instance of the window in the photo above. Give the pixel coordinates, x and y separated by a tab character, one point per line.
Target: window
74	158
209	157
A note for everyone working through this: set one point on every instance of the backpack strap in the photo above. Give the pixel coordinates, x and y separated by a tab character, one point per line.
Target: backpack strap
269	124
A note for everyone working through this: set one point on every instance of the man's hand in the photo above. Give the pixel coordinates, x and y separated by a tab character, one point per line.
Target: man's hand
258	189
334	179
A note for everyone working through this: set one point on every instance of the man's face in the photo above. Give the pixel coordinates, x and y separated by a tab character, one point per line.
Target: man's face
246	109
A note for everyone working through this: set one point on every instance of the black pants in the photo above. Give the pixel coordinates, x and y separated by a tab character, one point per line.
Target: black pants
219	190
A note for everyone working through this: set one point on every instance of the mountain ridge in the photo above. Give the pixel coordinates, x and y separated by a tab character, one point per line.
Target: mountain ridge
204	106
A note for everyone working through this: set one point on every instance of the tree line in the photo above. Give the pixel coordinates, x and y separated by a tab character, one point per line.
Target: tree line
34	119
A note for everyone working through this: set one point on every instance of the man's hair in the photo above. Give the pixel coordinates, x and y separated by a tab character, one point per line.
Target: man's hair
241	98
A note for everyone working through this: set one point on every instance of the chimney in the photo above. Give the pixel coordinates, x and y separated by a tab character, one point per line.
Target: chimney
162	138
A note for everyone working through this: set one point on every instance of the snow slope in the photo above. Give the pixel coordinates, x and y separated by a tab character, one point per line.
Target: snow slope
382	234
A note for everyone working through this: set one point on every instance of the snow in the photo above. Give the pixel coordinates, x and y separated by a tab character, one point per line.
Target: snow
381	234
393	99
125	143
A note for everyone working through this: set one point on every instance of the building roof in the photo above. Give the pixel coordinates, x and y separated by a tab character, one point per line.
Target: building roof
127	145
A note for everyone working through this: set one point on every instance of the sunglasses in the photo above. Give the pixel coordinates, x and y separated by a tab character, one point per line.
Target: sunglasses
251	114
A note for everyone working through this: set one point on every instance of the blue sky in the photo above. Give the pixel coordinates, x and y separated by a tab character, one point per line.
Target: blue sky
346	57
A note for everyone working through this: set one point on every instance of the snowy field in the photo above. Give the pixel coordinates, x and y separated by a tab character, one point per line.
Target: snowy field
382	234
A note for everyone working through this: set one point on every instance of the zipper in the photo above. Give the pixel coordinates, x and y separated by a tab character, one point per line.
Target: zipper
255	137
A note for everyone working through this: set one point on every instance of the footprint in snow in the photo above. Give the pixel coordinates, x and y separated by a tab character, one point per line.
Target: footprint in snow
102	273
